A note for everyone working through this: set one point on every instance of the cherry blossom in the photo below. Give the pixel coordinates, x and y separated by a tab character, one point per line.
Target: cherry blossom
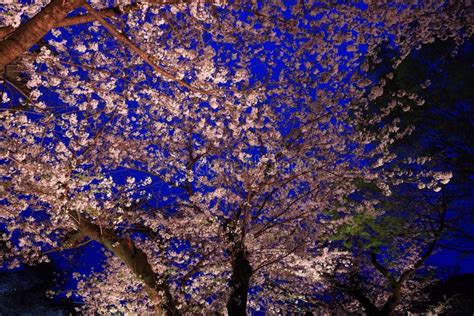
241	171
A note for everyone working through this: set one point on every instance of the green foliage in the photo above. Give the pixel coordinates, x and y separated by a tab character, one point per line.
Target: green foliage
356	229
365	186
369	233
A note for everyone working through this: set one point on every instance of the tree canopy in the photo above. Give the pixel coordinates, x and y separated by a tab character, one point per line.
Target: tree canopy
227	157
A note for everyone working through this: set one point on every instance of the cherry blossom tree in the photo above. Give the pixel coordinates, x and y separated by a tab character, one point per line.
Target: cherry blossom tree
231	175
388	269
388	253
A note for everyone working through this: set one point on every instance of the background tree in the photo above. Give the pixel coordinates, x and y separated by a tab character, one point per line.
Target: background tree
417	225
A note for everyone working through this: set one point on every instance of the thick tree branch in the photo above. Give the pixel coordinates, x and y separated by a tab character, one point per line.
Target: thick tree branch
365	302
356	292
31	32
68	21
134	258
5	31
87	18
382	269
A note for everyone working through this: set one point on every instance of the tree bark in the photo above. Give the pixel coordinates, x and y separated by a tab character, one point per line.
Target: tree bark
239	283
54	15
368	306
31	32
78	19
135	259
392	302
87	18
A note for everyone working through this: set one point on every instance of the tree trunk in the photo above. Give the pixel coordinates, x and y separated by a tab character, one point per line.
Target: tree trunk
392	302
369	307
28	34
239	283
